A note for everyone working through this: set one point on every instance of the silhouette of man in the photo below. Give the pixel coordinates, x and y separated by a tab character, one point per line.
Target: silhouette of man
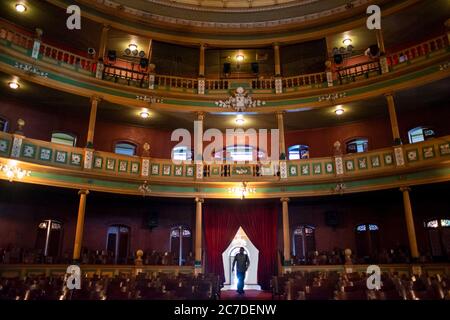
243	262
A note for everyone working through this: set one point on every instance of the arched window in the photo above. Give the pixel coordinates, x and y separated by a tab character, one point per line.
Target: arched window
118	242
239	153
298	151
304	242
3	125
181	247
48	239
367	240
357	145
125	148
420	134
439	237
181	154
64	138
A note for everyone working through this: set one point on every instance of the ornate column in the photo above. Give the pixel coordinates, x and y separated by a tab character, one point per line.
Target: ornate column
150	50
280	122
286	231
447	27
410	223
201	67
198	144
80	225
278	78
393	119
380	42
198	232
92	119
103	42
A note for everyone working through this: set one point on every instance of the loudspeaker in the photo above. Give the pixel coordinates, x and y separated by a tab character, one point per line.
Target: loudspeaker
332	218
91	51
255	67
338	58
152	220
374	50
112	55
227	68
143	63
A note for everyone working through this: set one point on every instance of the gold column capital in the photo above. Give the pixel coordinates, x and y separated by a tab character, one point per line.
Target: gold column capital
276	45
405	189
199	200
200	115
285	199
106	27
95	98
83	191
389	94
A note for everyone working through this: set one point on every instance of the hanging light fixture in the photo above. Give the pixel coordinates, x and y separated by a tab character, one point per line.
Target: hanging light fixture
339	110
240	57
240	120
347	41
242	191
132	47
145	188
14	85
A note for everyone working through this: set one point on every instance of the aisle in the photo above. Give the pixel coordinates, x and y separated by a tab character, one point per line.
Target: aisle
249	295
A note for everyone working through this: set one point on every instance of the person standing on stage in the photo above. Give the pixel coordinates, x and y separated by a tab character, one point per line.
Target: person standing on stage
243	262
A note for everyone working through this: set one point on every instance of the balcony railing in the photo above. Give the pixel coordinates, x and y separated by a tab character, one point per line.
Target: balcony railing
23	41
350	166
418	50
46	51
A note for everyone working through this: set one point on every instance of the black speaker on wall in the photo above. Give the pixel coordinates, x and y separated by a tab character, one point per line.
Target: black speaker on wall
112	55
143	63
227	68
255	67
332	218
152	220
338	58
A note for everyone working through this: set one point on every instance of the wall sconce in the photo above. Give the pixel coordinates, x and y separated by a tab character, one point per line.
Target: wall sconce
13	172
133	47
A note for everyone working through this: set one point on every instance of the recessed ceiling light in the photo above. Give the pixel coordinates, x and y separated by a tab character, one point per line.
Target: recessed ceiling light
240	57
240	120
14	85
20	7
347	41
339	110
144	114
132	47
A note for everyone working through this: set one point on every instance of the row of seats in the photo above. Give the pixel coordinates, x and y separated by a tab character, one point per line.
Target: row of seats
123	287
353	286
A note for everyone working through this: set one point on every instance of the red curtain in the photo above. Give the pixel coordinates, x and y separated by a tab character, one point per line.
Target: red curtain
259	222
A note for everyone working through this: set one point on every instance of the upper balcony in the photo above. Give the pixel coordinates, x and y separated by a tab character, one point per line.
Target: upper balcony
417	64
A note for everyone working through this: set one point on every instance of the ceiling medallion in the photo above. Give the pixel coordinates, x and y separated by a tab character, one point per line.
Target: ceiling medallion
240	101
152	99
332	96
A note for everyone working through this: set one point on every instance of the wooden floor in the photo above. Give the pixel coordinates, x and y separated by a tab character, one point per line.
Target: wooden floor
249	295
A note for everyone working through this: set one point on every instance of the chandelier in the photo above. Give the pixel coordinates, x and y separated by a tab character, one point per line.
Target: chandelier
145	188
12	172
242	191
240	101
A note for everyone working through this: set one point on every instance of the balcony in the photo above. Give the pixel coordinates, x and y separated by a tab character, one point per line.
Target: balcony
21	44
56	164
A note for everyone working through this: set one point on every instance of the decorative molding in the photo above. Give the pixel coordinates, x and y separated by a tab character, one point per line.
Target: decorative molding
240	101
